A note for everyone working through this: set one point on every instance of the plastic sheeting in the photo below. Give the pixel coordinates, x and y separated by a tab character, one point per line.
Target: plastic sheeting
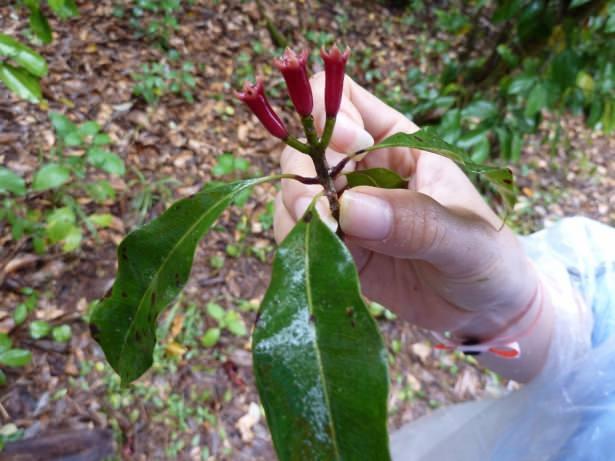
567	413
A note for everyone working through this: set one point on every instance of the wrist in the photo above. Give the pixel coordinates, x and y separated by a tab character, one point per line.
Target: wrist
532	333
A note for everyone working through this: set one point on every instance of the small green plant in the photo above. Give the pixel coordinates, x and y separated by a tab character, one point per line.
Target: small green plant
21	68
155	20
11	357
157	80
62	178
149	192
228	319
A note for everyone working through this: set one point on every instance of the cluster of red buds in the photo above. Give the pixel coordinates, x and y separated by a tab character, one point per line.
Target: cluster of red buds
293	67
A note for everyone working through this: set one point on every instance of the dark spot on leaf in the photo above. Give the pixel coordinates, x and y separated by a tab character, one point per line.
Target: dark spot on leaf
138	336
258	317
124	254
153	298
353	322
178	282
307	217
349	311
124	294
507	181
311	318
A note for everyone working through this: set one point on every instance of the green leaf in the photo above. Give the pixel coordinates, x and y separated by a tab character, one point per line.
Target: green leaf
564	68
211	337
39	329
480	152
15	358
105	160
64	8
521	84
20	314
11	182
501	178
72	240
480	109
376	177
89	128
59	224
154	265
101	139
536	100
61	333
101	220
73	139
50	176
506	10
5	342
20	54
101	190
319	361
215	311
235	324
20	82
40	26
62	124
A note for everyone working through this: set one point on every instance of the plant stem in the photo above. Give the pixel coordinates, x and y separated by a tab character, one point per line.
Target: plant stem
298	145
325	179
310	130
317	152
327	133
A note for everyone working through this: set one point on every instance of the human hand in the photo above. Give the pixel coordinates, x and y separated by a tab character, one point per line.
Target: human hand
435	253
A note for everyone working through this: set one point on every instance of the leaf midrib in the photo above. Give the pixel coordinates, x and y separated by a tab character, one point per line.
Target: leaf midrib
308	286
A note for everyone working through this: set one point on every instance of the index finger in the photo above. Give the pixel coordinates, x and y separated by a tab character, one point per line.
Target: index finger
379	119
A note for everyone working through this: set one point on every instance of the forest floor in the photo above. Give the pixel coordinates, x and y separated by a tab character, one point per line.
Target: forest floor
199	403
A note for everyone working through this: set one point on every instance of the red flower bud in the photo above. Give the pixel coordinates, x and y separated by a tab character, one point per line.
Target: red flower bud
335	62
253	95
294	70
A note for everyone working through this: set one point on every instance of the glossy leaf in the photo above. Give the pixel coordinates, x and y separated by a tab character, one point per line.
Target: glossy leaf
20	82
376	177
20	54
319	361
50	176
500	178
154	265
11	182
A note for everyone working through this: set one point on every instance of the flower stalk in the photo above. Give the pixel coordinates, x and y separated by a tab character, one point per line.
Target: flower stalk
293	67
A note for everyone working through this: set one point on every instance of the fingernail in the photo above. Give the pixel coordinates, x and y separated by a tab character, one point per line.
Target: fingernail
322	208
365	216
351	135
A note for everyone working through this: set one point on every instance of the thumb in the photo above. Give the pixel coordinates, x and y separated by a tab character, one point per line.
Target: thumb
409	225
